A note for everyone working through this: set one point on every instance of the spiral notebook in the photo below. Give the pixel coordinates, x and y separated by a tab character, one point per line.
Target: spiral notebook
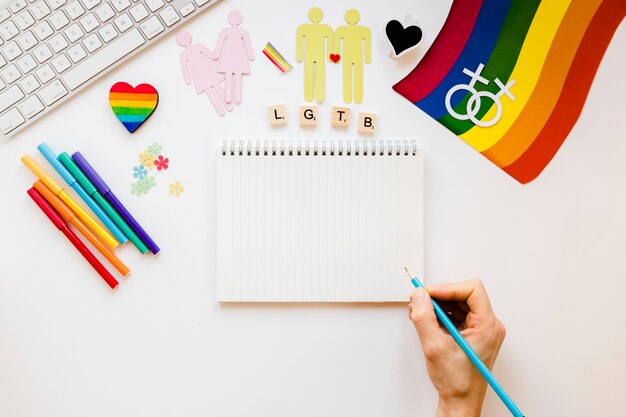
318	221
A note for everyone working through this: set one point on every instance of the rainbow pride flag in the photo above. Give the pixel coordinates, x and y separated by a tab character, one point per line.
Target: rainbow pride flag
276	58
510	77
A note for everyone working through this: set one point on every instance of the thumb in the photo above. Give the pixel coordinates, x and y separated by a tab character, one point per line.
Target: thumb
423	315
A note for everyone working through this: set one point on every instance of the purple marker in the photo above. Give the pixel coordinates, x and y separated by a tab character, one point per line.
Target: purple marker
117	205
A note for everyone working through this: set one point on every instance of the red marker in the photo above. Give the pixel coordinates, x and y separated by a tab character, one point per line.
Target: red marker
62	226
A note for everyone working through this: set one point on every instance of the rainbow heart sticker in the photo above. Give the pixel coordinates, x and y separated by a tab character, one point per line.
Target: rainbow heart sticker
133	105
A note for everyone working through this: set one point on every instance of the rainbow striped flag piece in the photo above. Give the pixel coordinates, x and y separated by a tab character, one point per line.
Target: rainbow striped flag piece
277	59
510	77
133	105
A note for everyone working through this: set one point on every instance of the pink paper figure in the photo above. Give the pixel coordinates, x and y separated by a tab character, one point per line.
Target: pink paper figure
198	65
233	50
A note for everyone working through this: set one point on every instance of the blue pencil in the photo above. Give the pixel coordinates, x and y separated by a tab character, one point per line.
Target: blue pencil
482	368
72	182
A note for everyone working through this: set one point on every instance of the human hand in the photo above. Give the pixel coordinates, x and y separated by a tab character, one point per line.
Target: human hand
460	386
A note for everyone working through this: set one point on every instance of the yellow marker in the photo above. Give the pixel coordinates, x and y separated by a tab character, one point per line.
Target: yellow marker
312	39
58	191
357	40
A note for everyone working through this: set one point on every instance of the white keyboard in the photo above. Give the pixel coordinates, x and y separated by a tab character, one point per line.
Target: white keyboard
50	49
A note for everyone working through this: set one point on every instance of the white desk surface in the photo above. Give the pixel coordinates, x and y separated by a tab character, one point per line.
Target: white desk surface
551	254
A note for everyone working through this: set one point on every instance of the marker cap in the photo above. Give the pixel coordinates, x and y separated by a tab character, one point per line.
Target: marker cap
91	173
76	171
41	174
52	158
47	209
64	211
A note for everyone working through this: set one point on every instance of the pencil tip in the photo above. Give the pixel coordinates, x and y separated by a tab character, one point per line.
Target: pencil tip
408	273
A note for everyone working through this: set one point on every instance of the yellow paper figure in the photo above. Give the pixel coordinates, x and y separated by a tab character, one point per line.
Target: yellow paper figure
356	40
312	41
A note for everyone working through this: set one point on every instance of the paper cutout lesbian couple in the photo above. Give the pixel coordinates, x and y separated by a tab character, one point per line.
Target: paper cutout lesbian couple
316	42
228	63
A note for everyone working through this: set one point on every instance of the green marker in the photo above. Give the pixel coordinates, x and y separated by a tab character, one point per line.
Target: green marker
93	192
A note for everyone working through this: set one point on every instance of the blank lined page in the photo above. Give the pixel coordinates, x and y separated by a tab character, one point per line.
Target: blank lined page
318	221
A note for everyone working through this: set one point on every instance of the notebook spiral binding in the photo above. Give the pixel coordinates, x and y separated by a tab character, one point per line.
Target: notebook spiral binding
317	148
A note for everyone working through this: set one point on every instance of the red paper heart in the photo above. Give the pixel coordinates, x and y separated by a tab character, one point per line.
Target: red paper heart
335	58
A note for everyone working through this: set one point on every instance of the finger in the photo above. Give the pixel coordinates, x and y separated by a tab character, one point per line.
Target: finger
423	317
471	291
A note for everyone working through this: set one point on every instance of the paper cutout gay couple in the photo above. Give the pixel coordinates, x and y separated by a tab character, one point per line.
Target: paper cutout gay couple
228	63
316	42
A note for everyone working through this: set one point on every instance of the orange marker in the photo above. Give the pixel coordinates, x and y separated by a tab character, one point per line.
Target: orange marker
65	197
70	217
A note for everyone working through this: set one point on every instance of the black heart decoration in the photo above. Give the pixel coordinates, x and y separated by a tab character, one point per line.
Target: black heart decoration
401	38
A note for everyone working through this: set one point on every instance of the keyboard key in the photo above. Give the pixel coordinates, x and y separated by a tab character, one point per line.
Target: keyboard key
11	120
76	53
4	15
152	27
29	84
58	43
105	12
8	30
75	10
107	56
61	63
187	9
90	4
154	5
89	22
59	20
31	106
25	20
107	32
43	30
169	15
121	5
27	40
74	32
10	97
11	74
42	53
44	73
18	5
52	92
26	63
123	22
55	4
3	61
139	12
40	10
11	51
92	42
2	85
201	2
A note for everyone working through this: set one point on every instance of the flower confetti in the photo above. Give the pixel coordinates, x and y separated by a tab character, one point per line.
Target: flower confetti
176	189
161	163
140	172
155	149
152	157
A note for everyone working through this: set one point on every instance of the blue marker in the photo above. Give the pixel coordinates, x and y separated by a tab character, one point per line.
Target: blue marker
72	182
482	368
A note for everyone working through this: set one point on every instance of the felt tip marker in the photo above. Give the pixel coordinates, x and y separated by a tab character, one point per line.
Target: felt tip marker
473	357
70	217
75	184
71	236
106	206
76	208
106	192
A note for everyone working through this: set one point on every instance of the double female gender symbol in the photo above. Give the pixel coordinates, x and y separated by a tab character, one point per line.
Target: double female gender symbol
475	101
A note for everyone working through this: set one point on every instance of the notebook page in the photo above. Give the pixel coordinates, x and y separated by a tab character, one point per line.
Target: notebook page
333	226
